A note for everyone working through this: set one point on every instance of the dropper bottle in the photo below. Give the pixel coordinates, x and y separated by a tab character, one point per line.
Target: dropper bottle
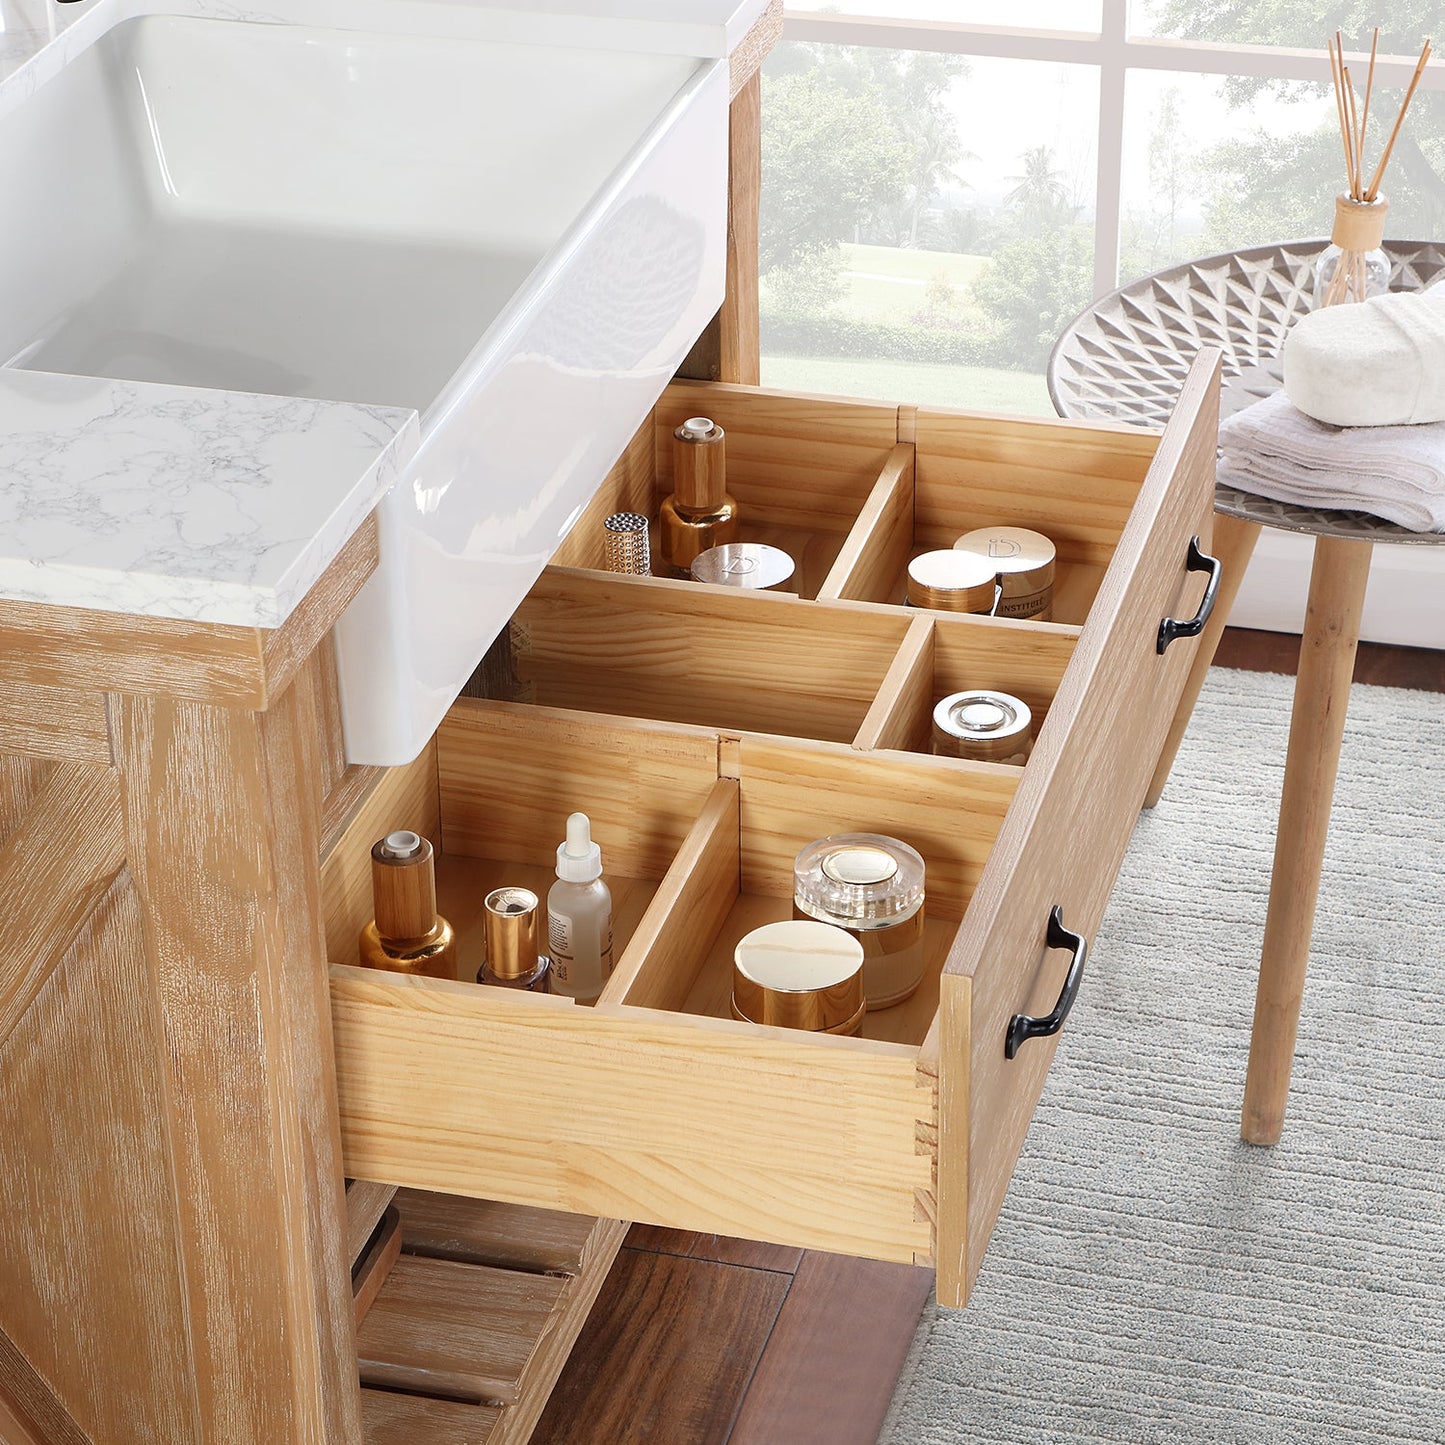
699	515
579	916
407	935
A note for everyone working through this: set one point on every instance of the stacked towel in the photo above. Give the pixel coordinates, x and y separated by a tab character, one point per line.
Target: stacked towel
1395	472
1380	362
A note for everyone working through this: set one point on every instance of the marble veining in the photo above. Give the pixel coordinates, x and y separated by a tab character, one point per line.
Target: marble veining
171	501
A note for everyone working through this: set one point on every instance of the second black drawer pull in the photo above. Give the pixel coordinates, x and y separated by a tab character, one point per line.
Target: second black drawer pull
1023	1027
1198	560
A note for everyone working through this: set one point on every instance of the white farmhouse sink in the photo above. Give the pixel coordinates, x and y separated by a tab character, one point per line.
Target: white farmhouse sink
520	241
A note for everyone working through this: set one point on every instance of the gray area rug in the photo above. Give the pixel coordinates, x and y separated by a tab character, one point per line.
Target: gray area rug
1152	1278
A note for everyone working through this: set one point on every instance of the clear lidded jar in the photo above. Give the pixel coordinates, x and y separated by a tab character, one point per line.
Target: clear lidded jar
873	886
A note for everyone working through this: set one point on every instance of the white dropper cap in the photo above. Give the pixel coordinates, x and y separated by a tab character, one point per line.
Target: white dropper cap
579	859
697	428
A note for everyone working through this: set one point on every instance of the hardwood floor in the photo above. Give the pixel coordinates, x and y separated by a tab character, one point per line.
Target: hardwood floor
702	1340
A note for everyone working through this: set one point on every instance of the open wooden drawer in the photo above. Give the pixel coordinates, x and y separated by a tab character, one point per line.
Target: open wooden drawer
710	736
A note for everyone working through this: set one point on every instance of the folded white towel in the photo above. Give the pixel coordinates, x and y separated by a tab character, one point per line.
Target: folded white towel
1374	363
1275	450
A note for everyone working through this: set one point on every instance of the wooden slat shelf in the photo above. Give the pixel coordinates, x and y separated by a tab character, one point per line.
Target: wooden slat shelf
393	1419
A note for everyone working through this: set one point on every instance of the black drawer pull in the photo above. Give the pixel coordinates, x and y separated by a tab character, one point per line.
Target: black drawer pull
1022	1027
1198	561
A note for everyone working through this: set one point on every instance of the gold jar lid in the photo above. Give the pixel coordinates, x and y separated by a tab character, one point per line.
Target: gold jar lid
1023	559
989	726
953	581
799	975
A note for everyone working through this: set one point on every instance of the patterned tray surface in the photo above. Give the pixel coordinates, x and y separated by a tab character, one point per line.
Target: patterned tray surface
1126	357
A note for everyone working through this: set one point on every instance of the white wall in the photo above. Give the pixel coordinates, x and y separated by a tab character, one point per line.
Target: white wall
1405	603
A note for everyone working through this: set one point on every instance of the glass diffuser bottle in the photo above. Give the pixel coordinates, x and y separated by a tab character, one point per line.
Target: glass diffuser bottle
1353	267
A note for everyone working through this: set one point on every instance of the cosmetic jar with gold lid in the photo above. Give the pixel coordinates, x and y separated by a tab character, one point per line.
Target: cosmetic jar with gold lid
513	931
953	582
751	565
1024	562
989	727
871	885
799	975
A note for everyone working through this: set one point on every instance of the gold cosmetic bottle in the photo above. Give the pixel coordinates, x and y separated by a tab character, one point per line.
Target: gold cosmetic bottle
407	935
699	515
513	934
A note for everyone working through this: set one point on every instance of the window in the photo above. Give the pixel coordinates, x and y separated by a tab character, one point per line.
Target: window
946	183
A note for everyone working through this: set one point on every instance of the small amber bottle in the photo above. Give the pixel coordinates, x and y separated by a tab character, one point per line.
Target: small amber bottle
407	935
699	515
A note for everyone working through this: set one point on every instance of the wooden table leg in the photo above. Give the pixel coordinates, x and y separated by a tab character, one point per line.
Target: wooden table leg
1322	691
1233	544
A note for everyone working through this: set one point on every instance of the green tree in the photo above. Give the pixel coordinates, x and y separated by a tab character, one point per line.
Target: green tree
1033	288
893	110
1268	189
830	157
1039	197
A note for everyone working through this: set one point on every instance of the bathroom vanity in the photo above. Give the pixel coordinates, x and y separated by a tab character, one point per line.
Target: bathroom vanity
206	1108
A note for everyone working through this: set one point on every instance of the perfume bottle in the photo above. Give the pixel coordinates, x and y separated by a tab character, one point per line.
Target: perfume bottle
513	934
579	916
407	935
699	515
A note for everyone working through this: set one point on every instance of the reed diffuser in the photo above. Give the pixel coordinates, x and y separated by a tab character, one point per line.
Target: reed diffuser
1354	267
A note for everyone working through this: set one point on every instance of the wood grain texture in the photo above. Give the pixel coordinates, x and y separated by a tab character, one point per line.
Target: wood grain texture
1065	835
682	1337
509	777
747	59
794	792
1075	482
906	693
880	542
317	677
30	1412
559	1334
1233	544
740	346
54	869
64	723
369	1273
87	1243
21	779
1338	581
703	657
285	650
835	1353
460	1331
671	944
719	1248
793	460
237	969
365	1204
51	646
403	797
505	1236
388	1418
690	1122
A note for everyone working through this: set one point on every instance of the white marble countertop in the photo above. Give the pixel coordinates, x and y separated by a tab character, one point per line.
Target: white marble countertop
215	506
169	501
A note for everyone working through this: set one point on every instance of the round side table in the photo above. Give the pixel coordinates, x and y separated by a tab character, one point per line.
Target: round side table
1124	360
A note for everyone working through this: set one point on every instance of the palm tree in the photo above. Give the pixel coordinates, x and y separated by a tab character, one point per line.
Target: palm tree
1040	195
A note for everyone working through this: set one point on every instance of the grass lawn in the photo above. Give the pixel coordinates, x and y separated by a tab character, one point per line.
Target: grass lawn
888	284
977	388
